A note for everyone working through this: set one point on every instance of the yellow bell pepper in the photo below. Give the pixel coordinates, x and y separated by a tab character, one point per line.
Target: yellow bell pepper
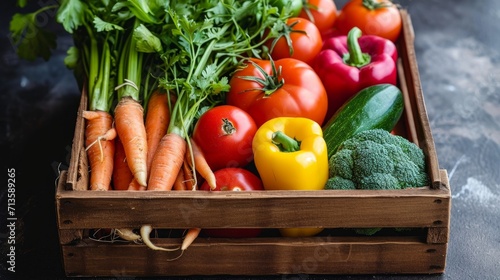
290	154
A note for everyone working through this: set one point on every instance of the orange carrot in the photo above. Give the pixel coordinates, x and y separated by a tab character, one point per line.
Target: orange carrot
156	124
201	165
167	162
135	186
157	121
121	172
190	236
129	121
99	142
180	182
190	181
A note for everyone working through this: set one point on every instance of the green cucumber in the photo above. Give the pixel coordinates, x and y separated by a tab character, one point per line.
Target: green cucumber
378	106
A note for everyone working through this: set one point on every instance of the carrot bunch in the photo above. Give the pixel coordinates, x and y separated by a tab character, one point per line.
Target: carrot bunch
151	68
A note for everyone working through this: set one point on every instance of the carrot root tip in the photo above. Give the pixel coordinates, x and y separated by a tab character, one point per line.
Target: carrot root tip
141	176
127	234
145	231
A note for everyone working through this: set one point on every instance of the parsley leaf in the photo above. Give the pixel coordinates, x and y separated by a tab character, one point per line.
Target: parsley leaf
101	25
30	40
71	14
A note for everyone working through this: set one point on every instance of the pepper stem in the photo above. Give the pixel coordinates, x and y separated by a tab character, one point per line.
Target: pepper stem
285	143
355	57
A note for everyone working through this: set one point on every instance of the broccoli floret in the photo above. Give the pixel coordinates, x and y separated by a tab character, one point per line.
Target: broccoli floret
339	183
379	181
377	159
343	166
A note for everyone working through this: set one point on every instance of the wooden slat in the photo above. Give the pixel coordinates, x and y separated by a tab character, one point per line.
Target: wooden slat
361	208
70	235
78	177
263	256
408	111
441	233
410	65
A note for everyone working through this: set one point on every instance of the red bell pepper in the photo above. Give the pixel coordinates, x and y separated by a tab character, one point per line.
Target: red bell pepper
348	64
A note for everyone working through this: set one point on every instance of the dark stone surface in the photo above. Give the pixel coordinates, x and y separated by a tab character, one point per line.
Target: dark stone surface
458	55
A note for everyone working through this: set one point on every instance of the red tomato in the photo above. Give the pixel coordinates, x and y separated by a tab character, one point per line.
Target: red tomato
234	179
293	91
300	39
373	17
225	134
322	13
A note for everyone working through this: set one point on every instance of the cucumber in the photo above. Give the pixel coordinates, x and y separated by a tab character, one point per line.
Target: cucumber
378	106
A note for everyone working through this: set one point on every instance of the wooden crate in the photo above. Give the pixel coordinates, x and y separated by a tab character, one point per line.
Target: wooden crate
335	251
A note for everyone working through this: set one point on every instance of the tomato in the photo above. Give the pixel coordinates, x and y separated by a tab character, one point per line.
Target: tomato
224	134
294	6
373	17
234	179
289	89
299	39
322	13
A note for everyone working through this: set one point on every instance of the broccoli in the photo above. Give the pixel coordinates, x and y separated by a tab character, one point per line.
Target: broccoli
377	159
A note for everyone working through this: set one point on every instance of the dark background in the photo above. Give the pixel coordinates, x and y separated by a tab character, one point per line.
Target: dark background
457	47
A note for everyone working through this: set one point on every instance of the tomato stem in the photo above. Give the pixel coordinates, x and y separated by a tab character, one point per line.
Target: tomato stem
269	83
373	5
285	33
285	143
228	127
307	7
355	57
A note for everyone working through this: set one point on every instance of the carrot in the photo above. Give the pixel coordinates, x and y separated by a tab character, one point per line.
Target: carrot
99	142
129	121
127	234
180	182
190	236
190	180
156	124
145	232
135	186
200	164
121	172
167	162
157	121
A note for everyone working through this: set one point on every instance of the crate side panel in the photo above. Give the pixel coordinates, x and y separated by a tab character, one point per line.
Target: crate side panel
441	234
260	258
412	79
406	208
78	166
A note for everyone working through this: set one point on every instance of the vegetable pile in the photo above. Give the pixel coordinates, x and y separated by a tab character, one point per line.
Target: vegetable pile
190	95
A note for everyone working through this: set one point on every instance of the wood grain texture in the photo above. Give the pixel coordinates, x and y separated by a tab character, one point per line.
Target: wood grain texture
78	166
263	256
405	208
421	121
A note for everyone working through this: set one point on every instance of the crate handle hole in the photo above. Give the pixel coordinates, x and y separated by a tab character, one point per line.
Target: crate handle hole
438	201
431	250
67	222
438	222
71	255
